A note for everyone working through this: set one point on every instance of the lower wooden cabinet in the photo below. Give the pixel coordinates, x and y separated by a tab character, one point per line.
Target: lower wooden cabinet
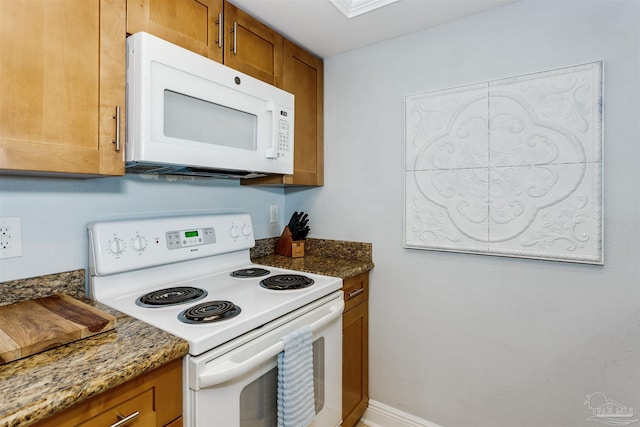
355	349
156	397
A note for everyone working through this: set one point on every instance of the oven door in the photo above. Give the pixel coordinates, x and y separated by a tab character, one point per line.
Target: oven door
237	384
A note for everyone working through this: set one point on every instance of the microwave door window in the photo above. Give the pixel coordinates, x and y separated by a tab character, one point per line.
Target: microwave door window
193	119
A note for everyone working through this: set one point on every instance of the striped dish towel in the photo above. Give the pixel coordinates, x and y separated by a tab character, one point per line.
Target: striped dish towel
296	402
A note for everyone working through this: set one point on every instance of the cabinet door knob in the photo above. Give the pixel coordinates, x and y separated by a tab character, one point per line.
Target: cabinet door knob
123	421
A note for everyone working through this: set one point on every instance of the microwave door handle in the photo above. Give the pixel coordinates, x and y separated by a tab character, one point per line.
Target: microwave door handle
231	369
272	152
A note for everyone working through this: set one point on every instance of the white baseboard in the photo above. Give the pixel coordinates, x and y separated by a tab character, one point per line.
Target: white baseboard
381	415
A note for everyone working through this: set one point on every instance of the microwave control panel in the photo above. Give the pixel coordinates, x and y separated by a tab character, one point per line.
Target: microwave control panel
283	138
284	133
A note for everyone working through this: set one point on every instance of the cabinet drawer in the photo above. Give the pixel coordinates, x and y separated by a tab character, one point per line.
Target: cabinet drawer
356	290
142	405
156	396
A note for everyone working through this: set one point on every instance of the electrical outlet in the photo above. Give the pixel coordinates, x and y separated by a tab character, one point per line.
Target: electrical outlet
273	214
10	237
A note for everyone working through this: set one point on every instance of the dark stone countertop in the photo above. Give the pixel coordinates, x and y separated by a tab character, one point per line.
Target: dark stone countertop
329	257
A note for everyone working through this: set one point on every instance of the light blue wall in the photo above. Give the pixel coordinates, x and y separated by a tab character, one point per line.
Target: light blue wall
473	340
55	212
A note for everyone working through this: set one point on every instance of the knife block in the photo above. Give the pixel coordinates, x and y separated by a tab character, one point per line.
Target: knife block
287	247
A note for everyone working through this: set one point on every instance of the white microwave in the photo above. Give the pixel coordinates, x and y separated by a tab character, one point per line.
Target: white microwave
189	115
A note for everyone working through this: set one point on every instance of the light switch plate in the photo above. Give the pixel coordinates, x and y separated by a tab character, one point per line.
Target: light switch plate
10	237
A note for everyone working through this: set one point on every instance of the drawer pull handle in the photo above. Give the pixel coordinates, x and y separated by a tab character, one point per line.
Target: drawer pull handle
355	293
123	421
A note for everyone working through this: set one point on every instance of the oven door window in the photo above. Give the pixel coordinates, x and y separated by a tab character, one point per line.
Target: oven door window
258	399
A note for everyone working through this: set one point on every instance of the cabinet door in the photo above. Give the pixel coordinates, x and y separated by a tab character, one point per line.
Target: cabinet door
303	75
193	24
251	47
355	363
62	75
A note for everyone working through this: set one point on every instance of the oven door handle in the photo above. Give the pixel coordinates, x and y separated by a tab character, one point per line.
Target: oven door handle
230	369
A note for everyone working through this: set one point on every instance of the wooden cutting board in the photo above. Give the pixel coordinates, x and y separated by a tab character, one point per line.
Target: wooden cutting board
32	326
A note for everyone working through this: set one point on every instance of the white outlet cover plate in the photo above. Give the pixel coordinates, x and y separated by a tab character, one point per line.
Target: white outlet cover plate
11	232
273	214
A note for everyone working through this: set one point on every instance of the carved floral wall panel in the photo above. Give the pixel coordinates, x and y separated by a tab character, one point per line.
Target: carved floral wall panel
511	167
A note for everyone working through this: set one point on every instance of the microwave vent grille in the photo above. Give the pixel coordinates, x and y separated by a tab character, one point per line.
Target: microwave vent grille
145	168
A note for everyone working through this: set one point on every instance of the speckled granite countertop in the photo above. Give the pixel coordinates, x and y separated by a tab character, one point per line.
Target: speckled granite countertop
40	385
329	257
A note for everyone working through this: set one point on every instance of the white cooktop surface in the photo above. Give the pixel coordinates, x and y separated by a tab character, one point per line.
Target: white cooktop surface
258	305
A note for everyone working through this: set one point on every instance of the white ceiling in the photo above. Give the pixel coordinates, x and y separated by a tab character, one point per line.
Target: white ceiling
318	25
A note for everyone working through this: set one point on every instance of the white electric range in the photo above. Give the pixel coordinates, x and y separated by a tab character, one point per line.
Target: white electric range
192	276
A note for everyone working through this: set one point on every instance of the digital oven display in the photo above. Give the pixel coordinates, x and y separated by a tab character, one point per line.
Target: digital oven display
190	234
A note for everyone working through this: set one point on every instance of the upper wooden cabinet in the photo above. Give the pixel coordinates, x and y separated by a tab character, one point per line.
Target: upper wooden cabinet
193	24
215	29
251	47
303	76
62	75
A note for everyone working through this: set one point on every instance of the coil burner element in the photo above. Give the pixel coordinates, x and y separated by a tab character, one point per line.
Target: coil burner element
246	273
208	312
171	296
286	282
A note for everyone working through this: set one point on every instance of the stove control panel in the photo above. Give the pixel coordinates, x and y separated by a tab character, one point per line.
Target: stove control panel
118	246
195	237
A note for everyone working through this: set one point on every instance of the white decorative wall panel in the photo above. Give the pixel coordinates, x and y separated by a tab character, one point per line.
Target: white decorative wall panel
510	167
